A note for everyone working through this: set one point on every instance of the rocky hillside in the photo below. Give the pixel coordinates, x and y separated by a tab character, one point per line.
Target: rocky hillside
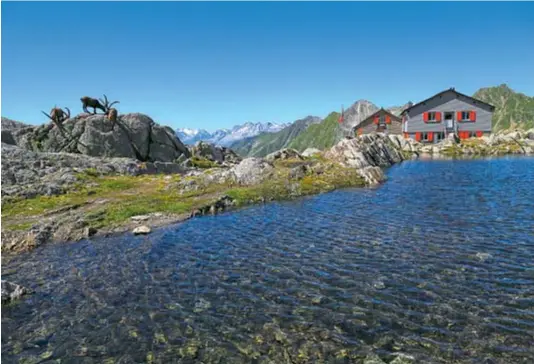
266	143
330	131
513	109
134	136
8	124
8	128
320	136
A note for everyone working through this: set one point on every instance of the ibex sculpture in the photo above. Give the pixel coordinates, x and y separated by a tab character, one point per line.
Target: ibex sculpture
58	116
94	103
112	116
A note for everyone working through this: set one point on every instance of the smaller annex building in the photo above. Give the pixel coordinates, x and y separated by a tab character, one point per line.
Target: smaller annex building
448	112
381	121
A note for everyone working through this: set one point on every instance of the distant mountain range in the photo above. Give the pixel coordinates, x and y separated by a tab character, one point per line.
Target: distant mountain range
311	132
266	143
226	137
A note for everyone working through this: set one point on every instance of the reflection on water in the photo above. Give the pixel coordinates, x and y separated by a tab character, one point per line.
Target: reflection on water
436	264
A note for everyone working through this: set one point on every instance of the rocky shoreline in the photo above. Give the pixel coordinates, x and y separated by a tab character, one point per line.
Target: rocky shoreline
53	195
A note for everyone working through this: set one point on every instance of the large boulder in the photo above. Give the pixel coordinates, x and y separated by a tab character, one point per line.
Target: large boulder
133	136
252	171
374	150
368	153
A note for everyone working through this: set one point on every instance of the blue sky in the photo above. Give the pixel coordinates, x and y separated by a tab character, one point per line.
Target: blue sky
214	65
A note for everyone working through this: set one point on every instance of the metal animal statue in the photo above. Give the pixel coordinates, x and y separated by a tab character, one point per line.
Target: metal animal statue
106	104
112	115
90	102
58	116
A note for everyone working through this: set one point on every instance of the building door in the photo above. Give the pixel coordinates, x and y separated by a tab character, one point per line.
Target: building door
449	121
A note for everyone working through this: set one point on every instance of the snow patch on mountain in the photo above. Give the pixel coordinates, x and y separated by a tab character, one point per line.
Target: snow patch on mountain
225	137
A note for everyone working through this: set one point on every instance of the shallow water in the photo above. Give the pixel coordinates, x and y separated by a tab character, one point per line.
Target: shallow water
437	264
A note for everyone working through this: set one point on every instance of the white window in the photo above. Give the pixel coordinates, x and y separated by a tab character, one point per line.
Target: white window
432	116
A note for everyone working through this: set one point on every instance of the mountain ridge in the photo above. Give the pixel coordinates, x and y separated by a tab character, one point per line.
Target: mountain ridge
225	137
512	109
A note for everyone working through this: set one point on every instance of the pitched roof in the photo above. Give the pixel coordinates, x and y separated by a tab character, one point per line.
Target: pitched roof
375	113
443	92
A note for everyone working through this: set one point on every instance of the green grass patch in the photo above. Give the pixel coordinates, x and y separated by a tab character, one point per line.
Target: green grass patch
19	226
127	196
203	163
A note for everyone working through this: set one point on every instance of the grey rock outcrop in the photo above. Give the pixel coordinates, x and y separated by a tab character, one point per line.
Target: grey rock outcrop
28	174
12	291
8	128
283	154
134	136
252	171
215	153
367	153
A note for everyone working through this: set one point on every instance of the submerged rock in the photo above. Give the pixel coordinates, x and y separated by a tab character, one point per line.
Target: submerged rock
483	257
403	359
12	291
373	359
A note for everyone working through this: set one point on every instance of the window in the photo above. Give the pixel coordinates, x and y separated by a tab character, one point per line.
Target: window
382	120
432	117
439	136
465	116
424	137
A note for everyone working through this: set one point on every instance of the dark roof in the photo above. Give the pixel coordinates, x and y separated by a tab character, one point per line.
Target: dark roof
375	113
443	92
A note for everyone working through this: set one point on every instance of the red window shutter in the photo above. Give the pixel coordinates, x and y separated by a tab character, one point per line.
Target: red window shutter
418	136
459	116
430	136
438	116
479	134
388	119
425	117
473	116
376	119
